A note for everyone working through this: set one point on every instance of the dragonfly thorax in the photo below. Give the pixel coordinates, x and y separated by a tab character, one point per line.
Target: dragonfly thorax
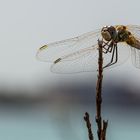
122	34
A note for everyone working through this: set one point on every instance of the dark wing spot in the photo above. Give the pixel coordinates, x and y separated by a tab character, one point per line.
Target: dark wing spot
57	60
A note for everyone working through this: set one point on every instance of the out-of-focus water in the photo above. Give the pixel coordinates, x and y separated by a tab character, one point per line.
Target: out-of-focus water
59	115
60	122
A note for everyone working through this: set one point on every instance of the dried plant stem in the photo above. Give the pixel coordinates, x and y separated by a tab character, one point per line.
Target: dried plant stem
102	126
87	120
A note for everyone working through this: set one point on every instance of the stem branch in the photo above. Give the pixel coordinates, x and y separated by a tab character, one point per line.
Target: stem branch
102	125
87	120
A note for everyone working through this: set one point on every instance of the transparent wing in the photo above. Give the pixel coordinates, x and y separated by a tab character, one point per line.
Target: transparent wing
135	55
53	51
135	30
86	60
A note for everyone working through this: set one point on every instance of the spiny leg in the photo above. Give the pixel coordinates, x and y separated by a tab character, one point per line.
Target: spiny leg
111	57
109	44
110	47
116	59
115	50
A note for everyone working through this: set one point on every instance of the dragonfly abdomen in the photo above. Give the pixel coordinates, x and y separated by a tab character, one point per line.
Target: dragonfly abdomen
133	42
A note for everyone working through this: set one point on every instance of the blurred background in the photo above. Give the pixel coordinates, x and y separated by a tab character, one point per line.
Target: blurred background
37	104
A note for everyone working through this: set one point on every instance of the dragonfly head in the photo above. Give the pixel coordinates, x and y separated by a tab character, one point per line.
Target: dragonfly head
109	33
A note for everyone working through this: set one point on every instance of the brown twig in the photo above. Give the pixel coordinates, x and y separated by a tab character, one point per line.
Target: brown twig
87	120
105	123
102	126
98	91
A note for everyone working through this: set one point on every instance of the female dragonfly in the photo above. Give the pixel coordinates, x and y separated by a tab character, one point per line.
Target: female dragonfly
80	54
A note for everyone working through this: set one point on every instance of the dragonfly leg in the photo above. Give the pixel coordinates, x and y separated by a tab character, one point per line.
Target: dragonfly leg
110	47
105	44
115	50
116	58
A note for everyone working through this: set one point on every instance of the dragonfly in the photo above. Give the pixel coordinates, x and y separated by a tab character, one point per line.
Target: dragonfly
80	54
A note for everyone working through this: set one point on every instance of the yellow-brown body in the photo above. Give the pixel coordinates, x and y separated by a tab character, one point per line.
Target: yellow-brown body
123	35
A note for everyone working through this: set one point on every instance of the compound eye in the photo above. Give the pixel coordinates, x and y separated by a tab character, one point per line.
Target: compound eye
106	34
112	33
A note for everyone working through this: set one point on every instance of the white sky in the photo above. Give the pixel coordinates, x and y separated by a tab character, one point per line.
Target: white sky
26	25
